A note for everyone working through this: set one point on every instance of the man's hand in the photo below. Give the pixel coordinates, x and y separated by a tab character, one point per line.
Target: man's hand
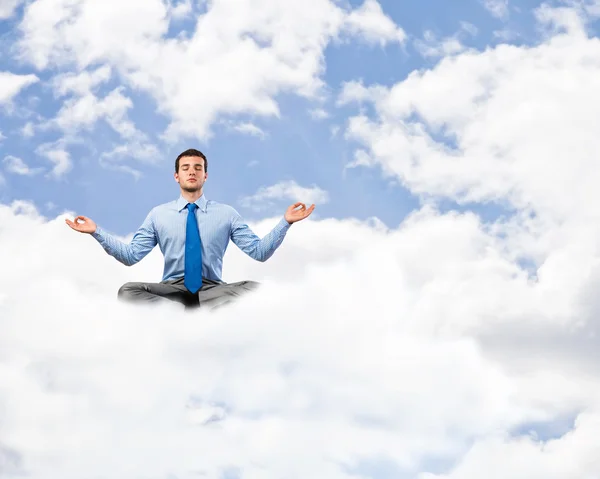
298	212
86	225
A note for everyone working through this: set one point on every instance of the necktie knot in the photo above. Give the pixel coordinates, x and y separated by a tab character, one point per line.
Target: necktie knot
192	207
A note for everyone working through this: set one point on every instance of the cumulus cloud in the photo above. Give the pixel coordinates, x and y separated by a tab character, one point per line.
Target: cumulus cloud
235	60
430	46
285	190
318	114
367	346
250	129
373	25
11	85
57	154
17	166
506	124
8	8
498	8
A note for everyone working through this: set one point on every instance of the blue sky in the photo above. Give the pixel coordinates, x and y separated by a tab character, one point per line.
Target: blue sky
295	146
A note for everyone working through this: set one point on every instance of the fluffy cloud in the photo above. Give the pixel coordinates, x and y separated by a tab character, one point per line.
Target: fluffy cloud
370	22
512	125
8	7
58	155
366	347
498	8
11	85
285	190
235	60
17	166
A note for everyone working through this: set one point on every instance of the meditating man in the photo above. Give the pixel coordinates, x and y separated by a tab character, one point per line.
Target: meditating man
193	234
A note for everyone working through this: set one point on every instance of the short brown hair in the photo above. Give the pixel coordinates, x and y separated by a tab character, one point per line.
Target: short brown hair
191	152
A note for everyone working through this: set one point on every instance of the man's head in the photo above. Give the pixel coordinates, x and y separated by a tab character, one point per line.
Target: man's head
191	170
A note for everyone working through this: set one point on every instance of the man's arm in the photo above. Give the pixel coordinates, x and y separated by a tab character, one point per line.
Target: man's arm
143	241
141	244
262	249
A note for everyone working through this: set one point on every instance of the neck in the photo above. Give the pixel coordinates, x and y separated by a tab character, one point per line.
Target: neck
191	196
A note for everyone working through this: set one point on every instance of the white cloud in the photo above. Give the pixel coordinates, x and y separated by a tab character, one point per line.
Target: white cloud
433	47
17	166
494	125
85	111
8	8
498	8
11	85
421	346
239	57
561	19
355	91
83	108
57	154
250	129
2	137
430	46
28	130
506	34
82	83
318	114
143	152
180	9
373	25
285	190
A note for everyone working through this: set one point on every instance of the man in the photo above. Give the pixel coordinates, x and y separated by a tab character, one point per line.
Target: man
193	234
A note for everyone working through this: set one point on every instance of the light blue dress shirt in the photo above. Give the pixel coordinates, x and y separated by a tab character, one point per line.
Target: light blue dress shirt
218	223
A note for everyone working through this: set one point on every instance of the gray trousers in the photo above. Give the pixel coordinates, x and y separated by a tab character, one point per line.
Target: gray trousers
212	294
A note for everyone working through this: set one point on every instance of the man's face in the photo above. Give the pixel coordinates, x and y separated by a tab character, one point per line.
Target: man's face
191	175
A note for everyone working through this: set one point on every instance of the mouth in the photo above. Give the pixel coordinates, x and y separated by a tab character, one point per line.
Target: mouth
192	180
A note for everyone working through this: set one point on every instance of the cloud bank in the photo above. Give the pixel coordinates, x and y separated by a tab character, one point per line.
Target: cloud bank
425	348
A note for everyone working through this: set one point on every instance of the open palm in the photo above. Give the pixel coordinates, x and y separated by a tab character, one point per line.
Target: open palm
298	212
83	224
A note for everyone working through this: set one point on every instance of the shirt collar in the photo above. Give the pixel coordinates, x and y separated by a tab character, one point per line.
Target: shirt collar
201	202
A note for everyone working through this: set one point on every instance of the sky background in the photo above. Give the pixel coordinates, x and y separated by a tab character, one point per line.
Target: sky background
290	145
435	318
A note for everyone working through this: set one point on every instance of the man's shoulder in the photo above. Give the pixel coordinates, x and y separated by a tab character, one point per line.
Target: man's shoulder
162	211
217	207
168	206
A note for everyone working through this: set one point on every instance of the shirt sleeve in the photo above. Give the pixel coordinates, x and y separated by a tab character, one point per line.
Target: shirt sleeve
260	249
143	241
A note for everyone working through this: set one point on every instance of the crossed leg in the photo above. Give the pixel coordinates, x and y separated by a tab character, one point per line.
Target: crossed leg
212	294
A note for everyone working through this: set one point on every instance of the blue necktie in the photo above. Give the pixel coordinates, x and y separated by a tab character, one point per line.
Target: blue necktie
193	252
